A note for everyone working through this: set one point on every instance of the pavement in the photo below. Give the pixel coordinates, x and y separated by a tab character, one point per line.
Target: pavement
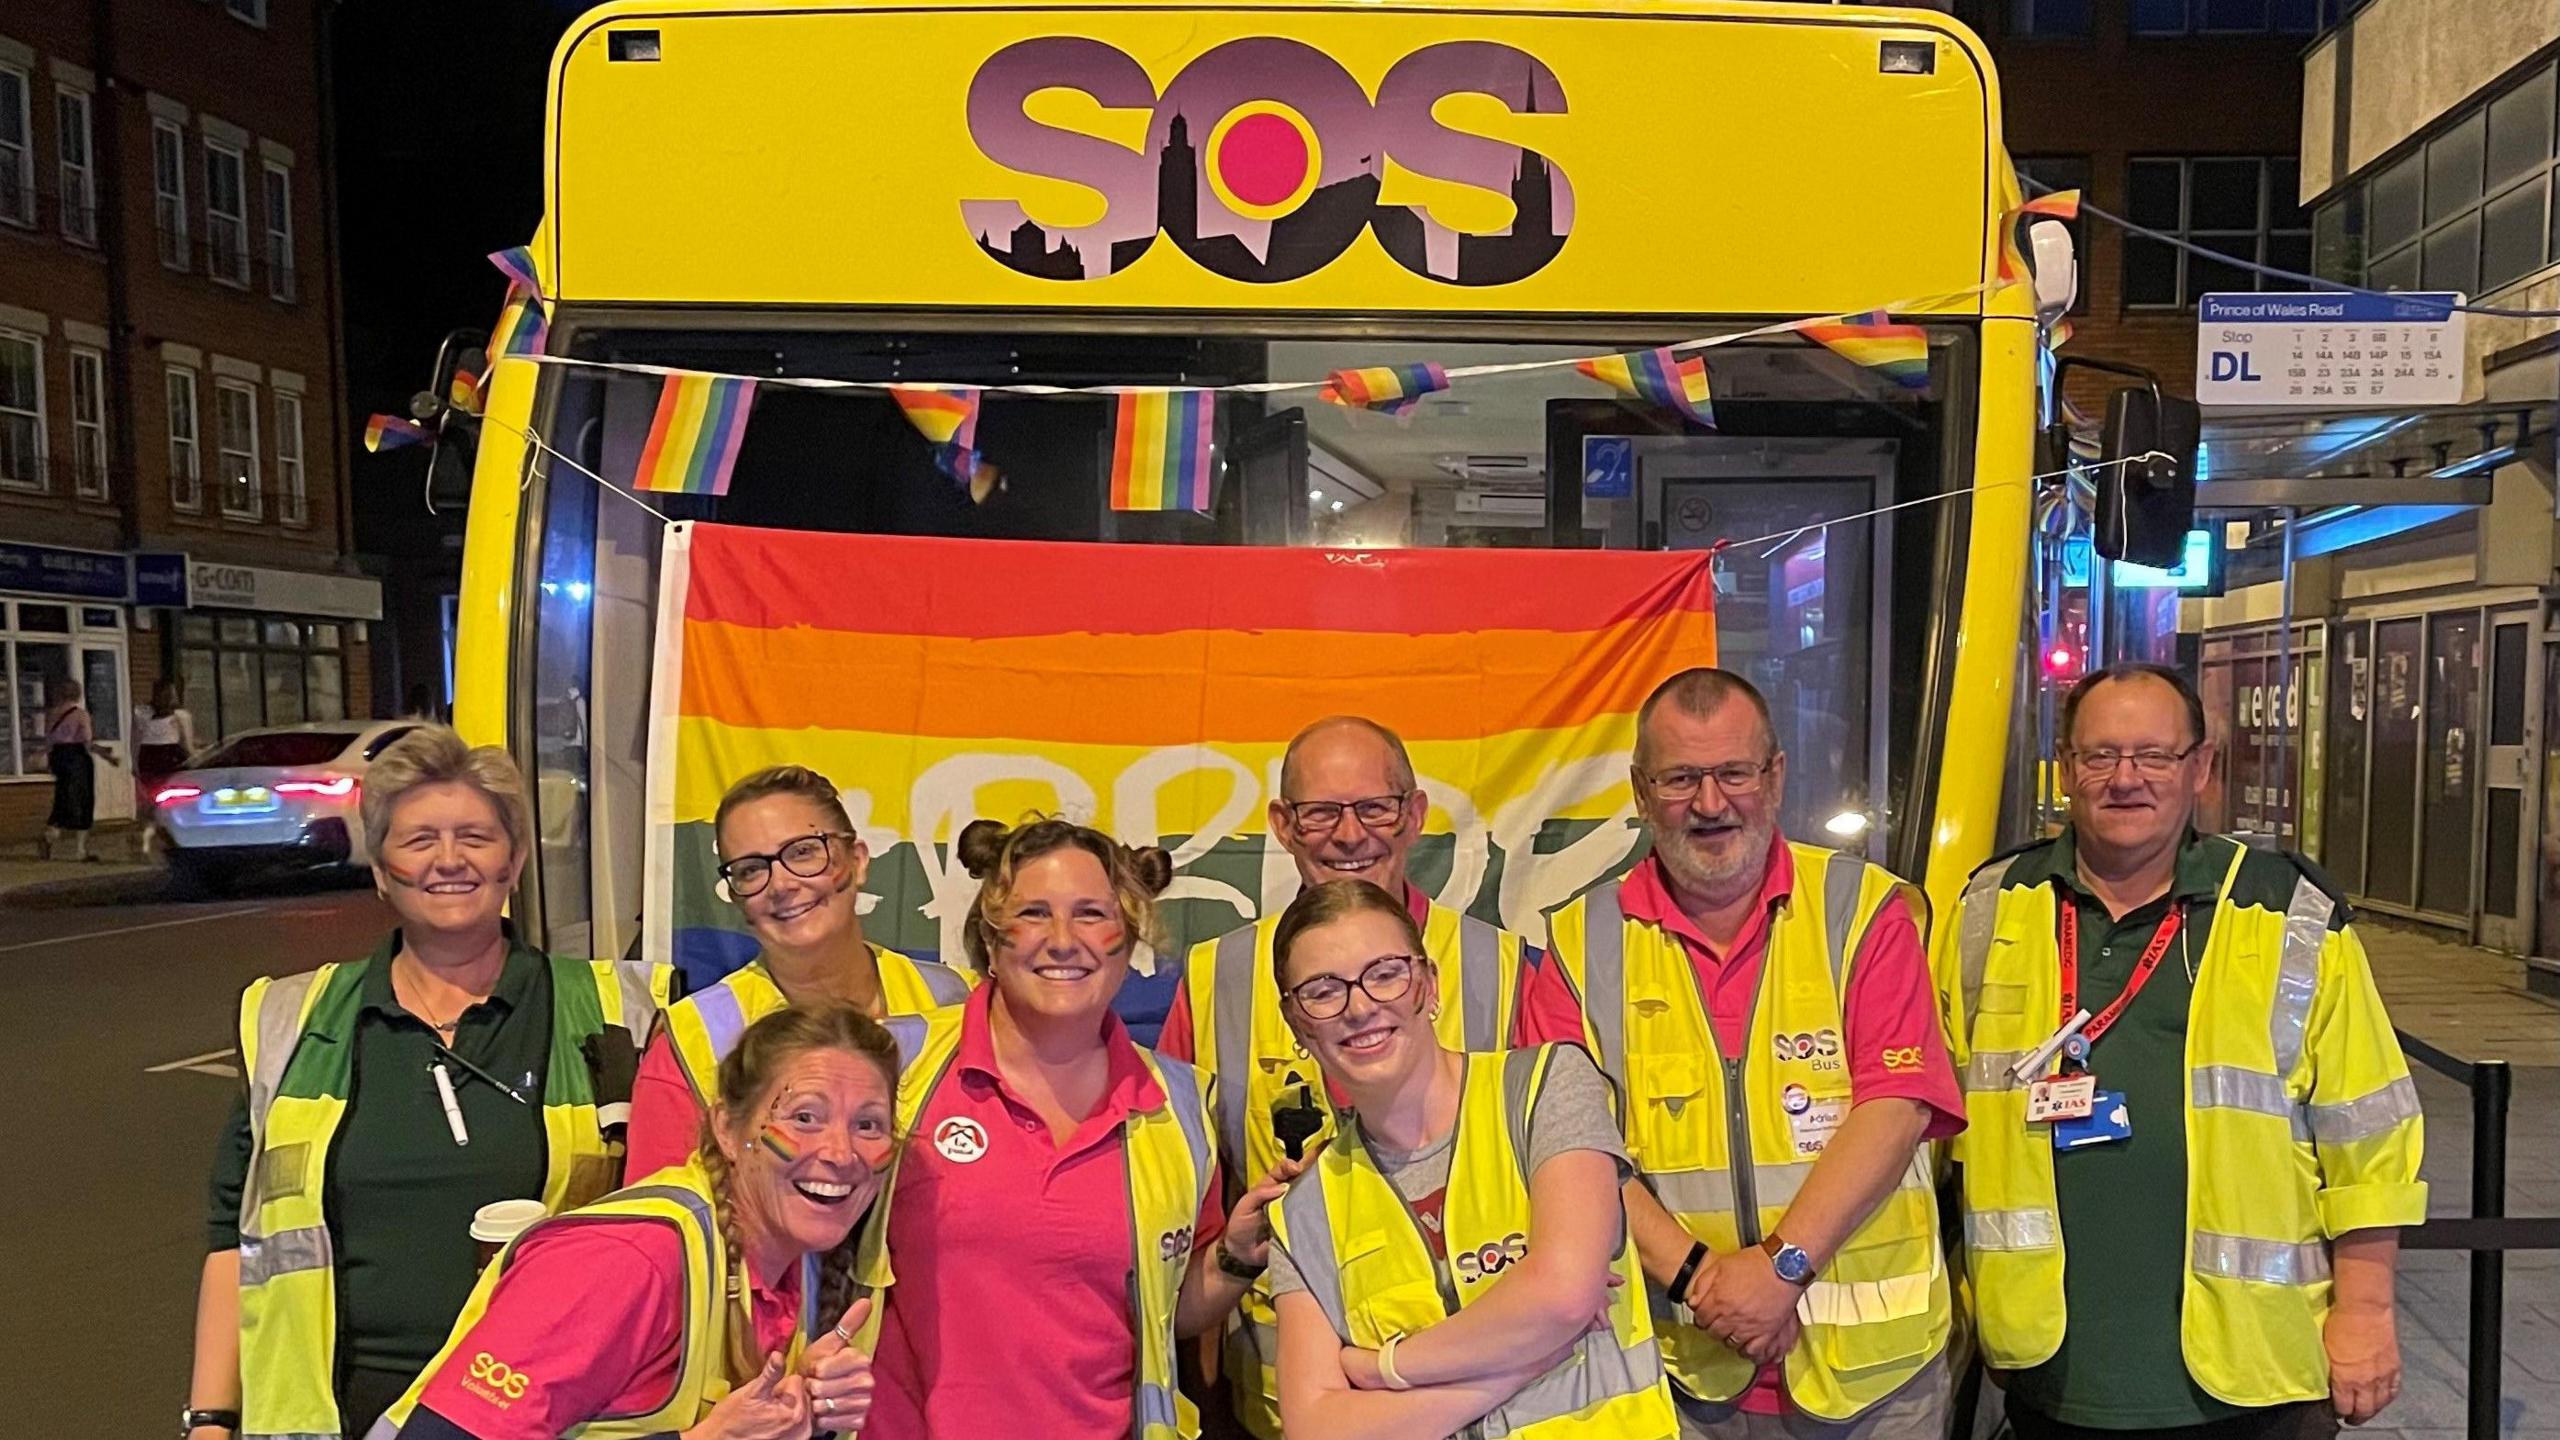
118	869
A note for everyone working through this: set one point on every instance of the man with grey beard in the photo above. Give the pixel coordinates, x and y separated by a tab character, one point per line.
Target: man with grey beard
1765	1012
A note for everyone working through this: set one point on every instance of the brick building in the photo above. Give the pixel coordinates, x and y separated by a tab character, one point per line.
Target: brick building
173	429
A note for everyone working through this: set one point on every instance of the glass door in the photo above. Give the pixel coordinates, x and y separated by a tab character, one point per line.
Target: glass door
2506	814
102	682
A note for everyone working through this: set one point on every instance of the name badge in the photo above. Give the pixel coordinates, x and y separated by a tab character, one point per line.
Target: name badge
1811	1126
2106	1123
2061	1097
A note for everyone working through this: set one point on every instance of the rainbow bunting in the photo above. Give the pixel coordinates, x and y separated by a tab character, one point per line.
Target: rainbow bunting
390	432
468	392
2058	336
522	325
1388	389
947	417
693	441
517	265
1659	377
1873	340
1160	452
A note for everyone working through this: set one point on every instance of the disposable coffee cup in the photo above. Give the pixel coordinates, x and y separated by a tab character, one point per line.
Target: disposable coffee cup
500	1221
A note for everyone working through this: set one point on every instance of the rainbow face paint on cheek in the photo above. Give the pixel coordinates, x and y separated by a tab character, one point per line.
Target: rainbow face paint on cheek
780	1144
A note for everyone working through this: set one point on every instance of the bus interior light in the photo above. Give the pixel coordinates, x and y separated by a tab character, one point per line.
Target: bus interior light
1907	57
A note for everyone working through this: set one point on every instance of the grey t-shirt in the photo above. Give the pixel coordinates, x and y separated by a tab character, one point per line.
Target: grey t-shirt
1572	1113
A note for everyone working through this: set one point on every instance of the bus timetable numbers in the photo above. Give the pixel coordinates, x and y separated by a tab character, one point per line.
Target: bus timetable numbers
1263	160
2329	350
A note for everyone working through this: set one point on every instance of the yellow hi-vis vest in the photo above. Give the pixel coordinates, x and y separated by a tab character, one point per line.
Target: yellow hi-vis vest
704	1027
297	1048
1239	1035
1361	1251
1715	1139
679	1196
2301	1125
1170	1162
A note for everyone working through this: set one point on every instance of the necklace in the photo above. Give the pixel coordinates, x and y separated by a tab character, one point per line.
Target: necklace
444	1028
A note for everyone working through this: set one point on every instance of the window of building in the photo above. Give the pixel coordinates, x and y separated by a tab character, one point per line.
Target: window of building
2469	207
279	204
71	139
2063	172
88	423
169	191
293	503
2236	17
17	150
36	661
252	671
253	11
22	411
2243	207
226	214
2049	17
186	455
235	438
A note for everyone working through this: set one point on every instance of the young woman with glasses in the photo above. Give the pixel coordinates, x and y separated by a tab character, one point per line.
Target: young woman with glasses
1458	1252
793	867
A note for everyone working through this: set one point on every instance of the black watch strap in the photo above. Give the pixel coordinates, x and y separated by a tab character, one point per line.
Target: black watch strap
192	1419
1237	1268
1679	1290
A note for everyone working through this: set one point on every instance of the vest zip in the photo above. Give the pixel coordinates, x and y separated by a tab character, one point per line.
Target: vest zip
1742	1165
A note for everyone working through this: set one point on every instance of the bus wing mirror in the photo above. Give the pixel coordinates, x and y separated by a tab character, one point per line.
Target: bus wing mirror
2146	482
2056	264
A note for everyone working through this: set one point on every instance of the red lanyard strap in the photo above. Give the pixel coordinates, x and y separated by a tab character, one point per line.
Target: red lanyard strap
2068	924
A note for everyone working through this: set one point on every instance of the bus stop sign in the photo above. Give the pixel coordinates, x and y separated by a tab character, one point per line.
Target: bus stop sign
2327	350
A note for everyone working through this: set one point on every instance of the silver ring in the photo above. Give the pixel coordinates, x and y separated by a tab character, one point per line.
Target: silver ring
827	1403
843	1336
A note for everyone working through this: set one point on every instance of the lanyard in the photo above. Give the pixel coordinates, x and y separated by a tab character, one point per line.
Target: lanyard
2069	943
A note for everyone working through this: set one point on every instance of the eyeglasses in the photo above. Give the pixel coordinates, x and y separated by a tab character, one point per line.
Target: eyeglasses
1316	817
1384	980
1682	782
807	857
2154	763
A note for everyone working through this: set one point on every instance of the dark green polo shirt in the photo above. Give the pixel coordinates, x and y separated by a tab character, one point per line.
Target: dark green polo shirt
400	1193
2124	1205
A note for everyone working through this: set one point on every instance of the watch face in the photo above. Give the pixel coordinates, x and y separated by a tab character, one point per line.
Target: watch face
1794	1266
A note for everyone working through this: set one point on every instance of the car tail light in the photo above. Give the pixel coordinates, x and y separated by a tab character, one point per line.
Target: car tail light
171	794
335	787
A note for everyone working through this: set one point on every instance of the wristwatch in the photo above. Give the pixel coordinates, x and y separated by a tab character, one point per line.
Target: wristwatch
1792	1264
191	1420
1237	1269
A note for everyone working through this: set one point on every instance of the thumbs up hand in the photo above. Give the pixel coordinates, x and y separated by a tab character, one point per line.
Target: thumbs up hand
772	1406
839	1373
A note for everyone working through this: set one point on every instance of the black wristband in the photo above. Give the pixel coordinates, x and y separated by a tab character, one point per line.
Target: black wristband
1688	1271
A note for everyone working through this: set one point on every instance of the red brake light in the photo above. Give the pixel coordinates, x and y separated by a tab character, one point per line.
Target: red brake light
171	793
335	786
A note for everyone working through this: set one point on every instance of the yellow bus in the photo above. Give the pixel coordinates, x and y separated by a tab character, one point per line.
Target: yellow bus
1156	191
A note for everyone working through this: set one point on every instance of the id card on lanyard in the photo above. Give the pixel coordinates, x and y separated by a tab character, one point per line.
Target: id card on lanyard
2070	1101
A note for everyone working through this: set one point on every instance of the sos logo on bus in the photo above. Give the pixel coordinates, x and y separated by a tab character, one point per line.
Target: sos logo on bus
1264	160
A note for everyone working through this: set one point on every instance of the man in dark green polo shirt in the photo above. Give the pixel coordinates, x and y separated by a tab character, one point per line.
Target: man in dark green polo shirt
2231	1010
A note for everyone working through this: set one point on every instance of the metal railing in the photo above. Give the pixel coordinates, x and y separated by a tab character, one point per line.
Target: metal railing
2486	1233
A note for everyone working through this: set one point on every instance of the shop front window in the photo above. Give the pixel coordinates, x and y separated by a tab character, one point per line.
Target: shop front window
242	673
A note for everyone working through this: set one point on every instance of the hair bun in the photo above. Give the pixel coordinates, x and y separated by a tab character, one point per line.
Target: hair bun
1154	867
981	846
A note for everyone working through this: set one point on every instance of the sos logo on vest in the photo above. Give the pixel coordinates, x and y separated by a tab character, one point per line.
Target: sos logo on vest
1264	160
1491	1258
1821	1047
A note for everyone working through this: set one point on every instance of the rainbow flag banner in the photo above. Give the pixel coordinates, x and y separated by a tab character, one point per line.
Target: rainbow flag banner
1388	389
390	432
469	391
1899	352
517	265
1658	377
1160	454
523	324
1149	690
693	440
947	417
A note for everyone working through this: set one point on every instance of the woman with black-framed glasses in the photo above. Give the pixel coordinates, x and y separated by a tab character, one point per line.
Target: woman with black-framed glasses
793	866
1459	1251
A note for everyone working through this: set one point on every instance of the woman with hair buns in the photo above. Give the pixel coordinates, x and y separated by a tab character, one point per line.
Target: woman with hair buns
689	1305
1056	1224
793	866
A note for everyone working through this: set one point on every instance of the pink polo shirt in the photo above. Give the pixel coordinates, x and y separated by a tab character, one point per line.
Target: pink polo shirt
1013	1252
1890	1006
587	1317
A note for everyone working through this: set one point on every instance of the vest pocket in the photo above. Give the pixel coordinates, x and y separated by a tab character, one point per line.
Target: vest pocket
285	1172
1384	1297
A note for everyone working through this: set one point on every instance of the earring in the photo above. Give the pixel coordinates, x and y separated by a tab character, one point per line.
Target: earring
1301	1047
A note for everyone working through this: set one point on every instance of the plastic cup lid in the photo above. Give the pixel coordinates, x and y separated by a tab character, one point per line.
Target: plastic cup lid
502	1220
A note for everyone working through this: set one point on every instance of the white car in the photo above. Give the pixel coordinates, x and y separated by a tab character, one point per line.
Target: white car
270	799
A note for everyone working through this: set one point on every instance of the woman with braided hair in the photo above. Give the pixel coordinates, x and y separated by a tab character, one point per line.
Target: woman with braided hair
690	1305
1057	1222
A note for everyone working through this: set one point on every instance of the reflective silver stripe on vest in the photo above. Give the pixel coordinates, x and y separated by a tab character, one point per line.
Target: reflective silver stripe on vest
2012	1229
288	1252
1230	1000
639	1002
2366	1116
1604	980
1182	1097
1698	1192
1480	984
723	1020
1598	1371
1841	875
2273	1262
1989	1070
1519	1067
1310	1248
908	1031
1977	915
279	1031
946	985
1153	1405
2306	927
2230	1087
